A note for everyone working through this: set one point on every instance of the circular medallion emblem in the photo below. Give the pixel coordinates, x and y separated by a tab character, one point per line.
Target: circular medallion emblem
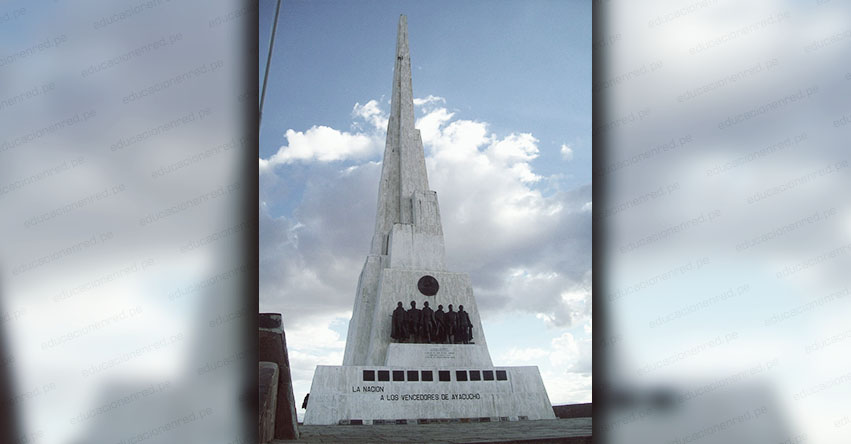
428	285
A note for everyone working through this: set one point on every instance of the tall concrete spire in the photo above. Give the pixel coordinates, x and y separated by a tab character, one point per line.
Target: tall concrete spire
408	233
403	171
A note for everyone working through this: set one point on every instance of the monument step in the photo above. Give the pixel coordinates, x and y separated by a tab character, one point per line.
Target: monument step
570	431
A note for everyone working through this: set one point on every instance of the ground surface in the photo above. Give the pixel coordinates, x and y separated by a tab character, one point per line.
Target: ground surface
570	431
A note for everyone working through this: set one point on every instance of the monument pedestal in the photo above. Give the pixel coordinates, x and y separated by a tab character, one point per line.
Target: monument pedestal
427	383
386	394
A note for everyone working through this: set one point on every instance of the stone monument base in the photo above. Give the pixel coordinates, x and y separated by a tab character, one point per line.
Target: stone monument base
381	395
437	355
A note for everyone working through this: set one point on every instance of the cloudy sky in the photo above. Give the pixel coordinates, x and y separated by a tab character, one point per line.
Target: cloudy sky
728	247
503	100
96	305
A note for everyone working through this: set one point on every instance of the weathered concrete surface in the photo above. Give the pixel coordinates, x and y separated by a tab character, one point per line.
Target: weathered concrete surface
411	247
403	170
273	348
437	355
568	431
268	387
342	393
360	326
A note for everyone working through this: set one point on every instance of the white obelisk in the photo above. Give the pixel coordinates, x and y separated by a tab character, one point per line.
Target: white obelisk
384	380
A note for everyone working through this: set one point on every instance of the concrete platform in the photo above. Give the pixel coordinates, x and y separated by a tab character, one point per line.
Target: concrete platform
340	394
569	431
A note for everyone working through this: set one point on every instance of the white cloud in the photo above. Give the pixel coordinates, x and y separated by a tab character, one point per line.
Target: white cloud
370	112
322	144
429	125
514	153
566	152
566	354
565	351
514	148
316	334
570	388
565	366
523	356
428	100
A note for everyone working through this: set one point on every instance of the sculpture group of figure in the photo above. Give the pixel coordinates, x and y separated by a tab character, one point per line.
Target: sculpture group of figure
431	327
